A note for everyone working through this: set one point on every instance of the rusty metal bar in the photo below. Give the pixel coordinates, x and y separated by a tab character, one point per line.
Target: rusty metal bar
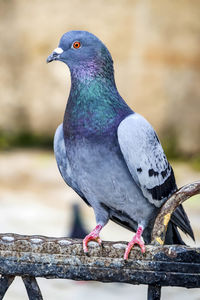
162	220
5	282
39	256
154	292
32	288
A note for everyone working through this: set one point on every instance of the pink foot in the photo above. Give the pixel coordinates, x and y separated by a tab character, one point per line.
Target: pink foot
136	240
94	235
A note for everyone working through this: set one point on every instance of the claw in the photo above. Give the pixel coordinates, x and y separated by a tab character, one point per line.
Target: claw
136	240
92	236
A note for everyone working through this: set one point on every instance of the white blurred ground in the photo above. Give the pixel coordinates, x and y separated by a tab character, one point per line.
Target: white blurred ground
35	200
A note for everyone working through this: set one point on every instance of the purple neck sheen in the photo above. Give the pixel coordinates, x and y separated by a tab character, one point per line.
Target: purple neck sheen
85	70
89	70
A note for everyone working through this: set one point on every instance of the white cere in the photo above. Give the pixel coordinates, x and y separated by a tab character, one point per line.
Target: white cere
58	50
119	246
36	240
8	238
64	242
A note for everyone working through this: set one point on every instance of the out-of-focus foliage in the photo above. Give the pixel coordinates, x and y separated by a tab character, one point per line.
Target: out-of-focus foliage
25	139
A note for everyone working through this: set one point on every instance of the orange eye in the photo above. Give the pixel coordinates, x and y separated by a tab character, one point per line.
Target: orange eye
76	45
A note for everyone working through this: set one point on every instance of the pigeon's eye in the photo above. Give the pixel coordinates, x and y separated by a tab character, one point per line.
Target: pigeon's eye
76	45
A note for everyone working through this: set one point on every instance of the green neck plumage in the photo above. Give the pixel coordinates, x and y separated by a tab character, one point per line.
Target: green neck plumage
94	106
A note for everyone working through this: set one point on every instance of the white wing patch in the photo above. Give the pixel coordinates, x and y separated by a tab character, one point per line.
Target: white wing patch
145	159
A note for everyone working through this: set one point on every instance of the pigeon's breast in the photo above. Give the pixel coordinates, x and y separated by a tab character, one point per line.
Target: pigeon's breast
100	172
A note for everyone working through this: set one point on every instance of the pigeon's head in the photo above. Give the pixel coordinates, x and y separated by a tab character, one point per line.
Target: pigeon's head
82	50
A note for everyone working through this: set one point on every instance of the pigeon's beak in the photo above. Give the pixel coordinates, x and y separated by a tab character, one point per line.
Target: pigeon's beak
55	55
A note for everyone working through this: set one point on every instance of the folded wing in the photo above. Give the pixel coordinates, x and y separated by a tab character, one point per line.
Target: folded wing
149	167
63	163
145	159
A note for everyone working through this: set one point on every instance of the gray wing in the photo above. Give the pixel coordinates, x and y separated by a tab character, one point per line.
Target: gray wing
145	159
149	167
62	161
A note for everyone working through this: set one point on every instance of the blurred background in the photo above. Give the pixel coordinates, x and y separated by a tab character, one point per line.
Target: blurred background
156	49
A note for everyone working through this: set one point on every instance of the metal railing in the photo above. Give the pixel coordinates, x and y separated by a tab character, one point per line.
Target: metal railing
161	265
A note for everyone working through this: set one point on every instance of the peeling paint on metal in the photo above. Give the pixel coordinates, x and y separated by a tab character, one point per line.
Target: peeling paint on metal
8	238
166	219
119	246
158	239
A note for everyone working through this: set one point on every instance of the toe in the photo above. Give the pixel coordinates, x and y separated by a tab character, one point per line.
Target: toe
90	238
142	246
130	246
127	251
85	248
99	241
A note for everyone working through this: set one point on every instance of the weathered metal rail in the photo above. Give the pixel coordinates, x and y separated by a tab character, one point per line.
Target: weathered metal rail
162	220
161	265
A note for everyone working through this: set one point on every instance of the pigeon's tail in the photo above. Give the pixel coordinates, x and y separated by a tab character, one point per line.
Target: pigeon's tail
178	219
173	236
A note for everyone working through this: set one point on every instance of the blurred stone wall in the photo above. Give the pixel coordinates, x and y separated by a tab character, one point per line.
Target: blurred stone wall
155	45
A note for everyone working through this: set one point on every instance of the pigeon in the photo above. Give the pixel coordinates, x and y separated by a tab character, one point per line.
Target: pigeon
77	230
107	153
